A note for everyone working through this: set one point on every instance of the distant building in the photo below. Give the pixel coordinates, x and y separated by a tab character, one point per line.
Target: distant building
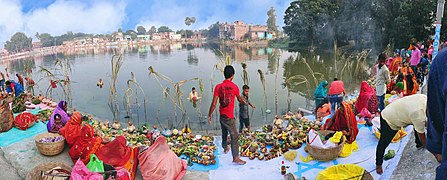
239	30
37	44
174	36
144	37
119	36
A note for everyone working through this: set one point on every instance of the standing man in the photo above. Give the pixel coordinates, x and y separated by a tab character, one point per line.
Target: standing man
244	118
415	58
225	92
336	94
382	80
409	110
436	111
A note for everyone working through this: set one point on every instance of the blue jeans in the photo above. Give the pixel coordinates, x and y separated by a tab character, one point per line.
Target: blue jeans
381	100
335	100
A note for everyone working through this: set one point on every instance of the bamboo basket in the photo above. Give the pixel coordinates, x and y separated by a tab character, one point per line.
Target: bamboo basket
36	172
51	148
325	154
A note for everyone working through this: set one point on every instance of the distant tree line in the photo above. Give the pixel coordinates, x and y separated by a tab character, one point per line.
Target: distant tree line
367	23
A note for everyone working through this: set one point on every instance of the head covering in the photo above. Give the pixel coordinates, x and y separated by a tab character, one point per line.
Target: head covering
321	91
344	119
59	110
366	93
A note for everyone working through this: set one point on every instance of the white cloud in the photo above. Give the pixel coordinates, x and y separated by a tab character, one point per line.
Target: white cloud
60	17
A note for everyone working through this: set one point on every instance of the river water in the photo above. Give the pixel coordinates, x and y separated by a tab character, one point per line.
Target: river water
181	62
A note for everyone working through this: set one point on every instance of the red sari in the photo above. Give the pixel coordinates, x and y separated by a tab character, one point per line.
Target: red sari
118	154
344	120
367	99
394	68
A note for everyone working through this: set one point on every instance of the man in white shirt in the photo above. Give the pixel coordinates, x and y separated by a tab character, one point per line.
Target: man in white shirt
382	79
409	110
193	96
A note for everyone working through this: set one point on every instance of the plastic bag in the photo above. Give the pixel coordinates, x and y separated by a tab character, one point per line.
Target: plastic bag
81	172
95	165
290	155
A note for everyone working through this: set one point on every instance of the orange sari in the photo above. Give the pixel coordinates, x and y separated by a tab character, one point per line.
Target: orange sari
394	68
344	120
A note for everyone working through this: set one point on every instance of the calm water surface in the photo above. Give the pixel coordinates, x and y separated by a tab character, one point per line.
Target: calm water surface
181	62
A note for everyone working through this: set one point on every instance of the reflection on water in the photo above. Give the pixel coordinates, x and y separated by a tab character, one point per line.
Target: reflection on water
185	61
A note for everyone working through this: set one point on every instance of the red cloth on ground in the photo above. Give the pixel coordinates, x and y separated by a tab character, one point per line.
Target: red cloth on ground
72	129
25	120
344	119
118	154
159	162
366	99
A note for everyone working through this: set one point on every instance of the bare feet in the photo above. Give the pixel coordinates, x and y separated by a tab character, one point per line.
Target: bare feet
379	169
226	149
238	161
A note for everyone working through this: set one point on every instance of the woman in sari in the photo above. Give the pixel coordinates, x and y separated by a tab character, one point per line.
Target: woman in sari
394	68
411	85
62	111
367	99
320	93
344	120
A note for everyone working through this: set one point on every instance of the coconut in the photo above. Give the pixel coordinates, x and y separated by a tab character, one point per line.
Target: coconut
175	131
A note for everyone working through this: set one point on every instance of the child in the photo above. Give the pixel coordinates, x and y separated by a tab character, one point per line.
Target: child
57	124
243	109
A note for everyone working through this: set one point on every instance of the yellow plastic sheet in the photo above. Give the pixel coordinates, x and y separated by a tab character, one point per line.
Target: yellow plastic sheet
307	159
349	148
337	137
399	135
341	171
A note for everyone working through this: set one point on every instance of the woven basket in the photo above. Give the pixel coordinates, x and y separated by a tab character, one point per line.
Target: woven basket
367	176
325	154
36	172
51	148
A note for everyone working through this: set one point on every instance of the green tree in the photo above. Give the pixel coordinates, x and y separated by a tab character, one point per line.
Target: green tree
47	40
152	30
185	33
141	30
19	42
271	21
120	30
189	21
306	20
164	29
213	31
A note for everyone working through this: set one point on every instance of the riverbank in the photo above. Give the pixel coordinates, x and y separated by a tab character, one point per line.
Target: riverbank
75	48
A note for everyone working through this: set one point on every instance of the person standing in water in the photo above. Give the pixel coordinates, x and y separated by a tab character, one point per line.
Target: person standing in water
100	83
193	96
226	92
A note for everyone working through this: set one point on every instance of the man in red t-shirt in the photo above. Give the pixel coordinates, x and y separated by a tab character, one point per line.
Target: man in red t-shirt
336	94
225	92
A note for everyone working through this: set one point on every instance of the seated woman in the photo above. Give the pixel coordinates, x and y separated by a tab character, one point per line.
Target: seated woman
57	125
324	109
62	111
367	99
410	84
344	121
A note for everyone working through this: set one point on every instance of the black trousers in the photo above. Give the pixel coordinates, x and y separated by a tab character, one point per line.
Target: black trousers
386	136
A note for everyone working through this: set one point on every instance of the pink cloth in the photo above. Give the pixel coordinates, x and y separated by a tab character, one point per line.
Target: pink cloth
415	57
81	172
336	87
159	162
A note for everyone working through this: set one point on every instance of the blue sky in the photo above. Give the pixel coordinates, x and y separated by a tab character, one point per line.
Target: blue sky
105	16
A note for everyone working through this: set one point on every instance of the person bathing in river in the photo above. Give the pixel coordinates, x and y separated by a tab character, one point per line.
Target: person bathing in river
226	92
193	95
409	110
244	118
30	84
100	83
